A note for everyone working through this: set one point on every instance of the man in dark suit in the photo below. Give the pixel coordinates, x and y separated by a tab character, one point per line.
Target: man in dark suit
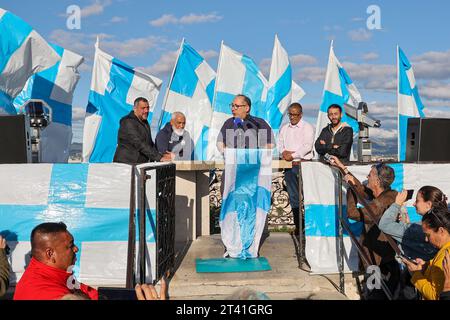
134	142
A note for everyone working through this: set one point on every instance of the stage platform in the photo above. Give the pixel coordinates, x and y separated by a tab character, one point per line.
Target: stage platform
284	281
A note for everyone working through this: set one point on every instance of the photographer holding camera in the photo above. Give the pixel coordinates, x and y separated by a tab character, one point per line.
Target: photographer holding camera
380	196
4	267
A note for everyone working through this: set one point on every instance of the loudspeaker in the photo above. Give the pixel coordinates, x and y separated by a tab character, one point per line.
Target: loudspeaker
428	140
15	142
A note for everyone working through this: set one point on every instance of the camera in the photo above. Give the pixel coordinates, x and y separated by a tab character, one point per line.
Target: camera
327	157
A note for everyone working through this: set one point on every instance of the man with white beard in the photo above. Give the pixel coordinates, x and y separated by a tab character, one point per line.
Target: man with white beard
175	139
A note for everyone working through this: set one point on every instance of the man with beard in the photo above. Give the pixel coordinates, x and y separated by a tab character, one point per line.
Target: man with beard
49	275
175	139
336	138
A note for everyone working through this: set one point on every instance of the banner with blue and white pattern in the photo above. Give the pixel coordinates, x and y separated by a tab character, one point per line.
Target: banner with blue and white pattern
55	86
409	103
114	87
91	199
246	200
191	91
282	89
321	207
23	52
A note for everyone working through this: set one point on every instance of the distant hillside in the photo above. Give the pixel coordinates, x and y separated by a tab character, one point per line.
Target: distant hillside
76	150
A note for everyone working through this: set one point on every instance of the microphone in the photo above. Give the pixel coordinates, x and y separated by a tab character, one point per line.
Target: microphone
238	123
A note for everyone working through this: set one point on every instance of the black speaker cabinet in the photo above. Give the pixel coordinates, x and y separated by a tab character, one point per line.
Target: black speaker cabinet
15	142
428	139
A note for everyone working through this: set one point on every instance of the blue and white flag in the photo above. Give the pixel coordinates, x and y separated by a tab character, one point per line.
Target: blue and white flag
246	200
55	86
236	74
321	199
338	89
114	87
409	103
23	52
282	89
191	91
93	200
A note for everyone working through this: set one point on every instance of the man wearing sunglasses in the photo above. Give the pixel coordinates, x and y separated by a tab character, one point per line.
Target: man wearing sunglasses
295	143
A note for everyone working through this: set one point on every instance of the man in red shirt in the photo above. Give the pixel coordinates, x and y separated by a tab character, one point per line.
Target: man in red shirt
49	275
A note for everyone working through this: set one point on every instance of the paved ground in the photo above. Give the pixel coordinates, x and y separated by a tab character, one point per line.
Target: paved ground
284	281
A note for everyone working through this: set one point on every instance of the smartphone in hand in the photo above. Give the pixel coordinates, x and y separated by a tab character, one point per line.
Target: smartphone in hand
409	195
409	259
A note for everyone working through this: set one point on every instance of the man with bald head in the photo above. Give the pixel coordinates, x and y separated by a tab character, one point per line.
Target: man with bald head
175	139
49	275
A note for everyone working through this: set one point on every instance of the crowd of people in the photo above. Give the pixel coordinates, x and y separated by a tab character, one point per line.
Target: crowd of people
425	245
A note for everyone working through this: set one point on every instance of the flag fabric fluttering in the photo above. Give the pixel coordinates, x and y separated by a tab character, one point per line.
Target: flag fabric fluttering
55	86
236	74
338	89
409	103
282	89
190	91
114	87
246	200
23	52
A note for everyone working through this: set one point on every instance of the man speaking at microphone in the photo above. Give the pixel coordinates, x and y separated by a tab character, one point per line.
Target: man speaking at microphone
246	180
244	131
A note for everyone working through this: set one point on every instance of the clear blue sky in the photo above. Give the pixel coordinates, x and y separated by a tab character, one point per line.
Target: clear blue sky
146	34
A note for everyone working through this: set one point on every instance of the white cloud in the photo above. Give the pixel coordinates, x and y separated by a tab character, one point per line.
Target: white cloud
191	18
208	54
163	20
432	65
434	113
313	74
118	19
164	66
131	47
300	59
199	18
83	44
435	90
359	35
94	9
370	56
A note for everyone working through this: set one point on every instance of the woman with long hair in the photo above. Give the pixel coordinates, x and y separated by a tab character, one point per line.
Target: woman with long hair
410	235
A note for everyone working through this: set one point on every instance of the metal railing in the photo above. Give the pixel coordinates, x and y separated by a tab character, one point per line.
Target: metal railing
165	223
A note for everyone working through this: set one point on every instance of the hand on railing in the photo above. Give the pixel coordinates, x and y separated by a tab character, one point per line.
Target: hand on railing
148	291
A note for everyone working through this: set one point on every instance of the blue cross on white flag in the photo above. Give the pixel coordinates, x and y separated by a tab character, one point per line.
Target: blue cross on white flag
23	52
191	91
55	86
246	200
282	89
409	103
236	74
338	89
114	87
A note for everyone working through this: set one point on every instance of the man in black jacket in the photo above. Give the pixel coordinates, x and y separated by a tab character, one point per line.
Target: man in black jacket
336	138
134	142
